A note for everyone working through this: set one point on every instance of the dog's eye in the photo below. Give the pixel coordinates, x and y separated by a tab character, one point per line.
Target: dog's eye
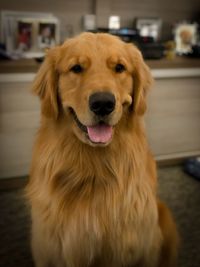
77	68
120	68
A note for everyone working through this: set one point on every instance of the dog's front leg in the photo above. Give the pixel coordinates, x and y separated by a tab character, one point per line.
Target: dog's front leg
169	250
45	248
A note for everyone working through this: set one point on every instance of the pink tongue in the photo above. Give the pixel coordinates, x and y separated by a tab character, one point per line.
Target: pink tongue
100	133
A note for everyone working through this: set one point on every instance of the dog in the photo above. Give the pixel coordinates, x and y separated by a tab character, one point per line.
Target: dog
93	185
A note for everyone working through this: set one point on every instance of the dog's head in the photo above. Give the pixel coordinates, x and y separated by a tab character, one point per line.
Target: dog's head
93	80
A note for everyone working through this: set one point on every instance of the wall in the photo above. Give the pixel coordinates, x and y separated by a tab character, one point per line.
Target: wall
70	12
169	11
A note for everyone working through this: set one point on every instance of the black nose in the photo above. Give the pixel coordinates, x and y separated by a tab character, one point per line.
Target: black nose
102	103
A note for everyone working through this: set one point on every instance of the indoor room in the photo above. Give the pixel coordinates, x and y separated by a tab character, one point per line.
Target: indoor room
99	121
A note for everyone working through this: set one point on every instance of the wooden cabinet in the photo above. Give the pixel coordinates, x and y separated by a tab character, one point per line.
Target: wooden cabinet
173	118
19	119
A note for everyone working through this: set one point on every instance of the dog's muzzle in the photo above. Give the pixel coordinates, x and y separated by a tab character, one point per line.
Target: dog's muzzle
101	104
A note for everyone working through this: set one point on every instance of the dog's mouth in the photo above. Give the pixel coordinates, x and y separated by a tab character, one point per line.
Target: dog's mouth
100	133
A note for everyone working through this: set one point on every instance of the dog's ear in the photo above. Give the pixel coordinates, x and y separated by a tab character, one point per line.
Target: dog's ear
46	83
142	80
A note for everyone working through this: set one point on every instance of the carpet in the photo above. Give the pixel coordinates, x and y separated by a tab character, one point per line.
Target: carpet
180	191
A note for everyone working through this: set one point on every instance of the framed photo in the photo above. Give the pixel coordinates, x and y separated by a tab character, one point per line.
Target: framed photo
185	37
149	27
28	34
48	34
25	36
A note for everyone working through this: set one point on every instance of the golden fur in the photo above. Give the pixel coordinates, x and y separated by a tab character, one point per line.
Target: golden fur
95	205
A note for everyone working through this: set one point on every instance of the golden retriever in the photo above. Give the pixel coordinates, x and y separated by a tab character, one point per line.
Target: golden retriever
93	179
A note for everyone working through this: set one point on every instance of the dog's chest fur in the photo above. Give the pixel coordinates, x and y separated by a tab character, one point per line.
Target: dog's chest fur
107	222
106	232
106	209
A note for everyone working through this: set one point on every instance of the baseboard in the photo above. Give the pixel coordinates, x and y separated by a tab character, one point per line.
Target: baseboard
13	183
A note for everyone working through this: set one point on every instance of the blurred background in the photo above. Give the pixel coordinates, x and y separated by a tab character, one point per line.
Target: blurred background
168	35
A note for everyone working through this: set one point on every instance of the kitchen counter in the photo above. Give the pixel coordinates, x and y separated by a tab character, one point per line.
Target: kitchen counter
30	65
176	63
24	70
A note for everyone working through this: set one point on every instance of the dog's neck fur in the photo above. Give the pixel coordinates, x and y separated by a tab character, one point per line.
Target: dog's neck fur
101	184
95	168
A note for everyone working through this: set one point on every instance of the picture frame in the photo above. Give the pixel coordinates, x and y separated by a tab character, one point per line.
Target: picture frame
24	35
21	32
47	33
149	27
185	35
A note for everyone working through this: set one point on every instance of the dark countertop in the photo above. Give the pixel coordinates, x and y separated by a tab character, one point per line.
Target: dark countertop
176	63
31	66
19	66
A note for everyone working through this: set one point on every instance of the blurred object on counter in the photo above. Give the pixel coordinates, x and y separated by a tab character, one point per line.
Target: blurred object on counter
114	23
151	50
5	55
89	22
186	36
126	34
195	51
192	167
46	35
170	49
149	27
28	34
149	30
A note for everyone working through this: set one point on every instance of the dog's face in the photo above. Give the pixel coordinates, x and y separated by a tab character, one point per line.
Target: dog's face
93	79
